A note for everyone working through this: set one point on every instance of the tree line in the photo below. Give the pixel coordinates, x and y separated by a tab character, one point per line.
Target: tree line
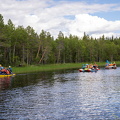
19	45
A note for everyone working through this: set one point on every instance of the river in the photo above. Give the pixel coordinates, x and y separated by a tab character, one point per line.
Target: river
61	95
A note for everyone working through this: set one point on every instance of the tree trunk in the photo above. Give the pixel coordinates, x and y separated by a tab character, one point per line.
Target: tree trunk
27	57
38	52
58	58
23	56
13	53
43	55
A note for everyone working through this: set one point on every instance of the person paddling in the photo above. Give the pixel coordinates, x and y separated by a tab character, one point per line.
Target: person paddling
1	67
10	69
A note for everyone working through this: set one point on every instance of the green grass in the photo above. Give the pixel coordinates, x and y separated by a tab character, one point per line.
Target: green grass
48	67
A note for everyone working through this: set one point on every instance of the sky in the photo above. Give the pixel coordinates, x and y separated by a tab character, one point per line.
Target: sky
94	17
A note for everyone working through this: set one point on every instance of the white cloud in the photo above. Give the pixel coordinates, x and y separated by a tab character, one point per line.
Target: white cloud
93	26
51	16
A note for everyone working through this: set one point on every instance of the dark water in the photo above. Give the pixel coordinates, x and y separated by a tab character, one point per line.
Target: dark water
61	95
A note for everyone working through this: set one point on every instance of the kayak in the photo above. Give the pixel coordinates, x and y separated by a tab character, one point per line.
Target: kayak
3	75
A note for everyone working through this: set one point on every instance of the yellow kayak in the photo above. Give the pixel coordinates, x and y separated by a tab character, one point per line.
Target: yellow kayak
7	75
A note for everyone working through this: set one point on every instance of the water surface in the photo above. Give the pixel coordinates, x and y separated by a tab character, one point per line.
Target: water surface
61	95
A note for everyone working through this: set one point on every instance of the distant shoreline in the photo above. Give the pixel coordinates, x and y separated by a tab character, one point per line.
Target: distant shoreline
50	67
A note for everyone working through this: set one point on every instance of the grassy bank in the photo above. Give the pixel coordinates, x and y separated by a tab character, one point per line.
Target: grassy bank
49	67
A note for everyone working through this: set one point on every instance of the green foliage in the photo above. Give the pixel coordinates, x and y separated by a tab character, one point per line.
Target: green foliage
19	45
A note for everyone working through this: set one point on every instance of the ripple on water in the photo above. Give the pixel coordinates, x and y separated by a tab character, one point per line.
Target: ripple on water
63	95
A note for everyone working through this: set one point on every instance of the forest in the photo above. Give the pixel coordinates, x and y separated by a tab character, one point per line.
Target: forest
19	45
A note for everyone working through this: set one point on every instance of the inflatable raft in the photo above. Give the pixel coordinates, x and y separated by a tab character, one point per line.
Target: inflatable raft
6	75
88	70
110	65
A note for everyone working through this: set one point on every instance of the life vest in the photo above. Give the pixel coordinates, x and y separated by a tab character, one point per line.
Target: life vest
5	71
110	64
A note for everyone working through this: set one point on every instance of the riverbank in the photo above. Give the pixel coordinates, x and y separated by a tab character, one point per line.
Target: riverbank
49	67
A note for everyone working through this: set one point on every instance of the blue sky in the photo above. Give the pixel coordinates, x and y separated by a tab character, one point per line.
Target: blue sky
95	17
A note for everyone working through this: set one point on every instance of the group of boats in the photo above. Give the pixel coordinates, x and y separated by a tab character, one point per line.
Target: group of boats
85	68
94	67
89	68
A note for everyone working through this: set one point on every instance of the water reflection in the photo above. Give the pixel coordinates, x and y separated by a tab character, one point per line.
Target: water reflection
22	80
5	82
62	95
